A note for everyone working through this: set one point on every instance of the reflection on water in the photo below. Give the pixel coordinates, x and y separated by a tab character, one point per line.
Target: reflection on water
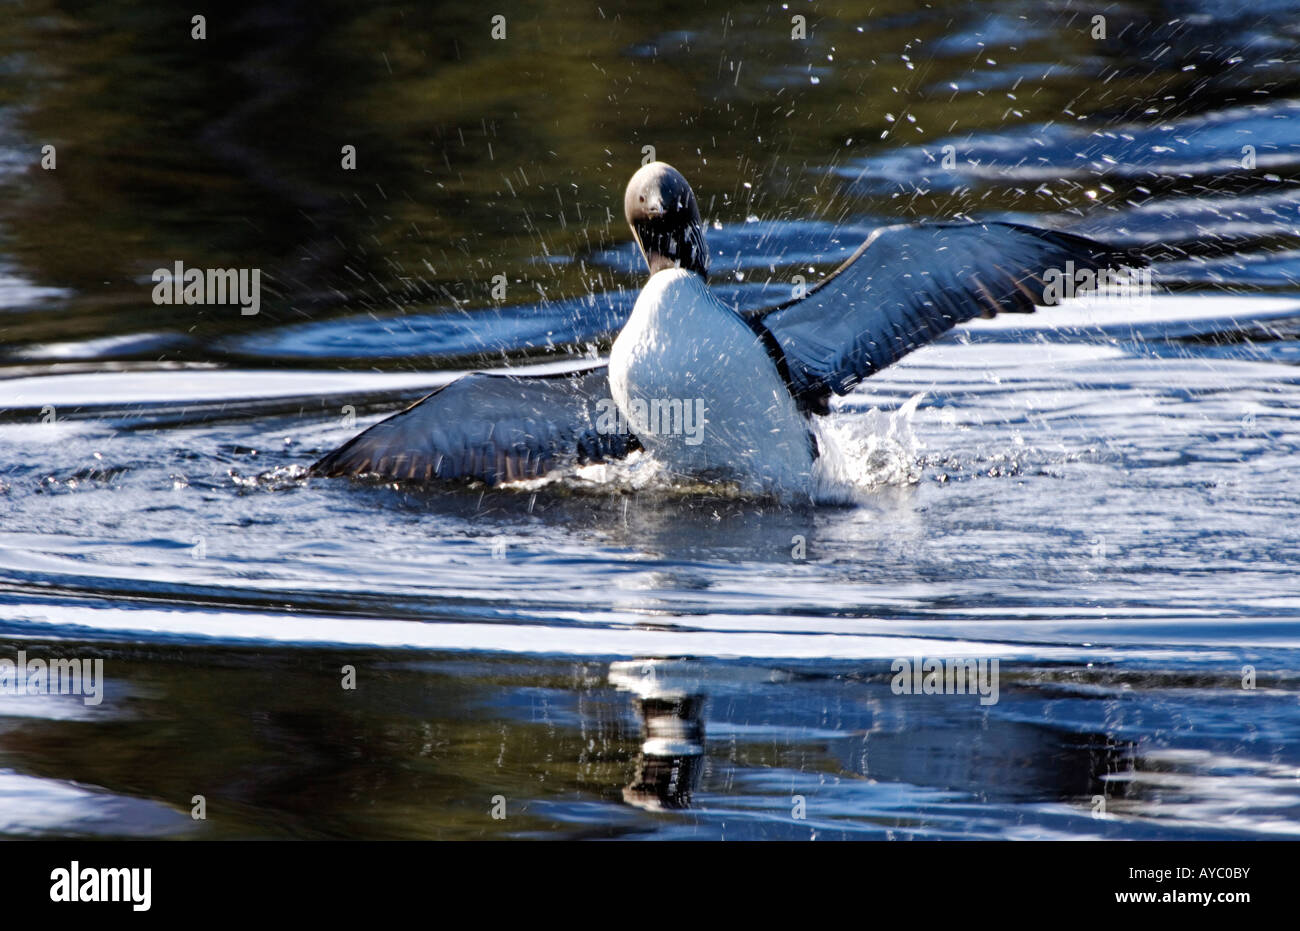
674	748
1024	760
671	708
1103	499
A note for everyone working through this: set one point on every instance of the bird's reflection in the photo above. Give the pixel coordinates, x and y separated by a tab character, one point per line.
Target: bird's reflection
670	702
938	742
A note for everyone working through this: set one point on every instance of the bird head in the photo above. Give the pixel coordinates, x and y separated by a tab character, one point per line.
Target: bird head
665	219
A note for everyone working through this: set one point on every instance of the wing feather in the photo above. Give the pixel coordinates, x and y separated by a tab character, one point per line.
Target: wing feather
492	428
908	285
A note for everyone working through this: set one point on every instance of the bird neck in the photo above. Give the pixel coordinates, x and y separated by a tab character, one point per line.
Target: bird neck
673	246
659	263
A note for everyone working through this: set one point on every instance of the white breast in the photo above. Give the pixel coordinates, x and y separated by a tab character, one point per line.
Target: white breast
700	391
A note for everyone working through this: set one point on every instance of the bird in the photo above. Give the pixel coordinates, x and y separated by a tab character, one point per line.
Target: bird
709	392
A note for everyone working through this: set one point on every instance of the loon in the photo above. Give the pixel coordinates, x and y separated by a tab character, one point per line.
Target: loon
709	392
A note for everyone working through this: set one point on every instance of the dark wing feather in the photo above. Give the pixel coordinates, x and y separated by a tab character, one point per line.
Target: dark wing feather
493	428
907	285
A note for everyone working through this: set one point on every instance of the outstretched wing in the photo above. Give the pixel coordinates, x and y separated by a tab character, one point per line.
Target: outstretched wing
493	428
907	285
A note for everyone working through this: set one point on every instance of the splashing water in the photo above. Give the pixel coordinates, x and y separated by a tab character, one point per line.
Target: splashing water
864	451
860	452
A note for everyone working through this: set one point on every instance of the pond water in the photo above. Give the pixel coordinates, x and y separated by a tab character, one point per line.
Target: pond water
1098	498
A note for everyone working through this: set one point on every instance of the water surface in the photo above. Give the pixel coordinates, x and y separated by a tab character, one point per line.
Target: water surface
1099	498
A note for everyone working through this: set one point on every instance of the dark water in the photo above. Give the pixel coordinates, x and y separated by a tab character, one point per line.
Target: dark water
1100	498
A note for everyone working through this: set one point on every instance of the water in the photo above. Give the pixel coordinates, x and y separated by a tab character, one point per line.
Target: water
1101	499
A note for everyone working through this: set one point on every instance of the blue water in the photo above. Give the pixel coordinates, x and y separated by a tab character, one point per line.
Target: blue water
1102	498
